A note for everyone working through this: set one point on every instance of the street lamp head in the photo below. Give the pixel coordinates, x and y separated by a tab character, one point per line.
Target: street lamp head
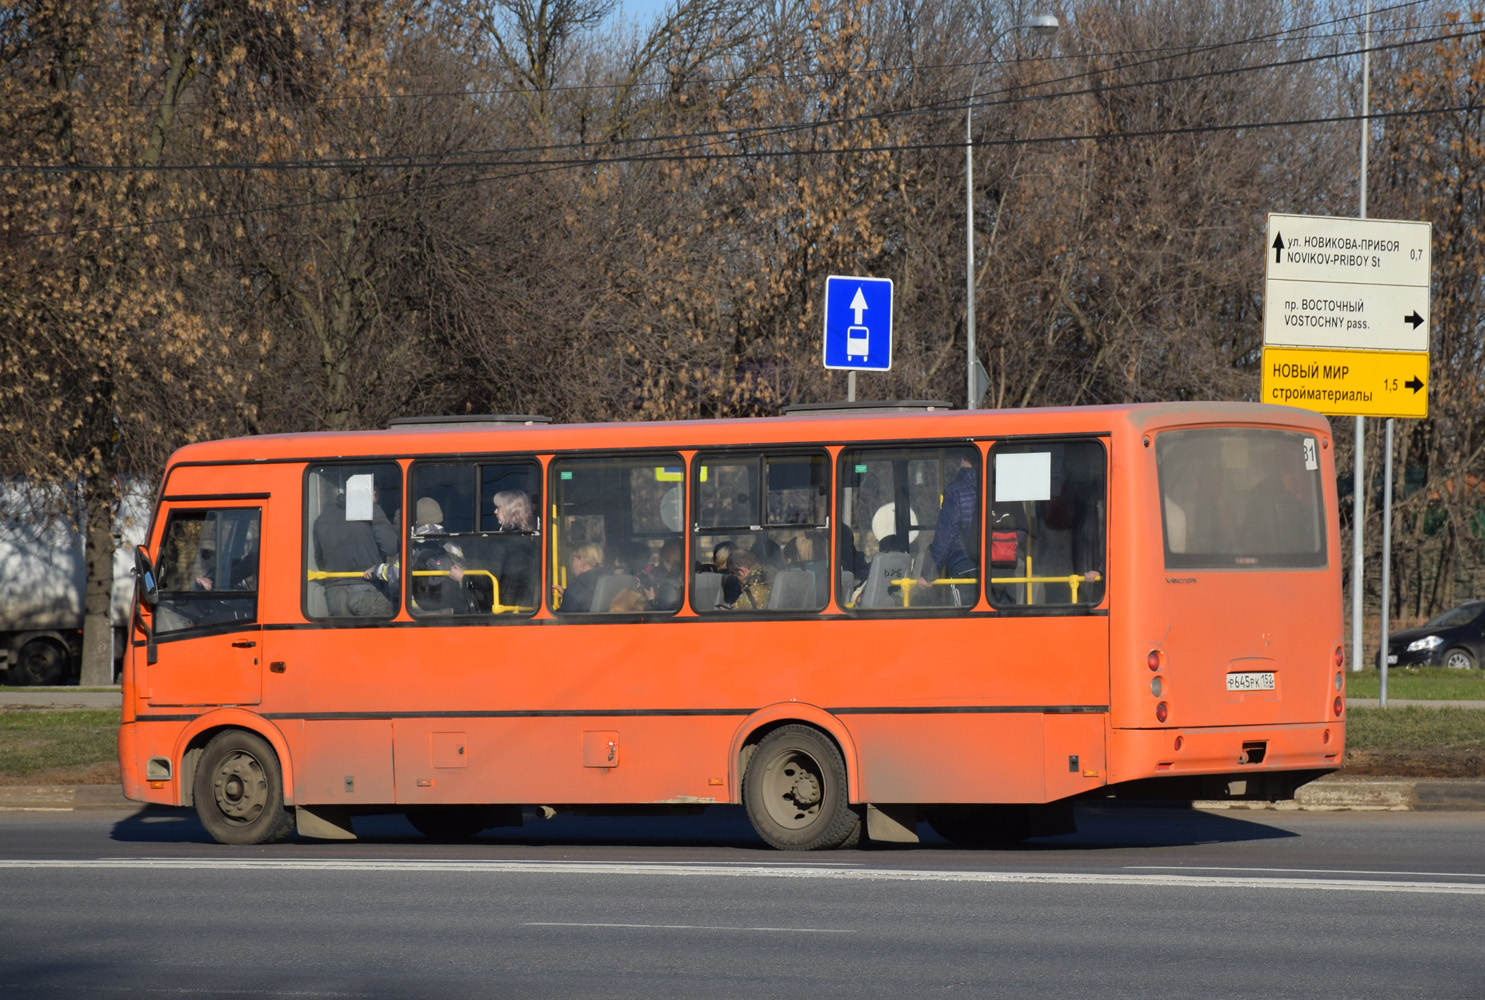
1045	25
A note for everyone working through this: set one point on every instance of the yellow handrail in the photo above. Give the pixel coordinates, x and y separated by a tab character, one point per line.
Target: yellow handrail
495	606
1073	580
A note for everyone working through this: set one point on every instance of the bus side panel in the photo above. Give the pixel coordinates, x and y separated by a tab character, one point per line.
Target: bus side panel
991	757
343	761
564	760
1075	746
997	756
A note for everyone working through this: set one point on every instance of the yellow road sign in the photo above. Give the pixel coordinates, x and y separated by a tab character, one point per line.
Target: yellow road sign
1347	383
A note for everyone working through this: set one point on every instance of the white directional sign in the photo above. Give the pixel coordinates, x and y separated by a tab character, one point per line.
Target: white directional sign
1345	315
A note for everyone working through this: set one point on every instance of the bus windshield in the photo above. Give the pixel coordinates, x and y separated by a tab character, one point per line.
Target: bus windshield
1237	497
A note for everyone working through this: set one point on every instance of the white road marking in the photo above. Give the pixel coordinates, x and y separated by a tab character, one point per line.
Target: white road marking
1300	871
695	927
709	870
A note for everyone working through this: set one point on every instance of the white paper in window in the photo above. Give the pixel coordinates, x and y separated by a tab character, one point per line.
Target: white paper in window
1025	476
358	498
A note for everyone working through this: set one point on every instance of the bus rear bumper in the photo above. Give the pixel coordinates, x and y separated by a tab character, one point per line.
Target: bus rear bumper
1238	762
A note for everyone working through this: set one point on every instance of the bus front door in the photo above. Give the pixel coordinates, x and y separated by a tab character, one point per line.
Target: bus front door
208	642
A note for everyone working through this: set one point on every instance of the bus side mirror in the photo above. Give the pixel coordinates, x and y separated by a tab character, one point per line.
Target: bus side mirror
144	570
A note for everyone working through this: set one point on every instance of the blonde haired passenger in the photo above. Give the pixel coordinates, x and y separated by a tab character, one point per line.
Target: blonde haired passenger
587	567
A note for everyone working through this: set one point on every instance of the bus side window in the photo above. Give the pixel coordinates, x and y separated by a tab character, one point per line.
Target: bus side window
208	569
351	517
910	528
615	543
1048	523
474	544
760	541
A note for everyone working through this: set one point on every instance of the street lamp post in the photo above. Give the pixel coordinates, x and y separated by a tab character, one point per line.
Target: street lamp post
1045	25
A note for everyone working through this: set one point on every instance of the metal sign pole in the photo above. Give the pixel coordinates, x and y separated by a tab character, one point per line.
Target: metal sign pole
1358	513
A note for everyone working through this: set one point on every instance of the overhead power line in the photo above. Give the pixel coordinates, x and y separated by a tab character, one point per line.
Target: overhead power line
481	159
531	168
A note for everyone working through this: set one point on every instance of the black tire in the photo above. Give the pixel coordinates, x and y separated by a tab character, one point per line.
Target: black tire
1459	658
40	662
795	794
980	826
239	791
449	823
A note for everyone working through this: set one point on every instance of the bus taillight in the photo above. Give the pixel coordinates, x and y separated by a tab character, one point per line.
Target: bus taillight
1340	681
1153	660
1161	711
1339	656
1340	704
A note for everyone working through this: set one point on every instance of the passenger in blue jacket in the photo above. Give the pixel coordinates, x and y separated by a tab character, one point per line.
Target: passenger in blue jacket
956	537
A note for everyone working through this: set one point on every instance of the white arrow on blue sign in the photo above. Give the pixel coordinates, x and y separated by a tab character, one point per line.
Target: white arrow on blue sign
858	323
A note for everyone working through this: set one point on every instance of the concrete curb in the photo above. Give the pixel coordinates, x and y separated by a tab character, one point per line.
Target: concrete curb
62	798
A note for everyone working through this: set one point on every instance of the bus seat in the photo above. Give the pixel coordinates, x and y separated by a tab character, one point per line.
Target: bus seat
885	568
847	587
612	586
793	590
708	591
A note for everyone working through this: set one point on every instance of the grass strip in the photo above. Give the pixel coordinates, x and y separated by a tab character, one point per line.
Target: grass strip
1415	727
41	740
1420	683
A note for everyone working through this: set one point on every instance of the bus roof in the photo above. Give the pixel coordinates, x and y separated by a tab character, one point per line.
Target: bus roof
833	426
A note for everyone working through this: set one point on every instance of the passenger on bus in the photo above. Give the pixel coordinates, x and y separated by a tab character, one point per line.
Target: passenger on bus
956	535
206	570
345	546
663	582
721	559
587	567
746	584
513	511
448	591
513	561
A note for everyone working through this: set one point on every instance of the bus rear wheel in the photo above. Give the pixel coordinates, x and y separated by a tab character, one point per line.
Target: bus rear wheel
794	791
239	791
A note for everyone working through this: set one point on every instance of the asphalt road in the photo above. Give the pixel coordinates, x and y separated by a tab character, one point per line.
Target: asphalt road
1139	903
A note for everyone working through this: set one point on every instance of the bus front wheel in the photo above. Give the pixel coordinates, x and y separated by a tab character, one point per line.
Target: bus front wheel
239	790
794	791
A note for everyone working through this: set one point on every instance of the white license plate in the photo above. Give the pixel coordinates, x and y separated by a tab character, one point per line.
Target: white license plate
1263	681
1392	659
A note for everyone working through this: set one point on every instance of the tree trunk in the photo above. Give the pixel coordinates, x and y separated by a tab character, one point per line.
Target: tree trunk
98	653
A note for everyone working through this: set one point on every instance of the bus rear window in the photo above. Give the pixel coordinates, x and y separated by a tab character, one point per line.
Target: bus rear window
1239	498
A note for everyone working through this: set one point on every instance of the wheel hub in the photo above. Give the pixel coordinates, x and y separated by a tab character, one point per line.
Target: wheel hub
806	789
241	788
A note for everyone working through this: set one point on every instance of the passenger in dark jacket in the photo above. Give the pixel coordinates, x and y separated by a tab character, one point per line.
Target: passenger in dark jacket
956	535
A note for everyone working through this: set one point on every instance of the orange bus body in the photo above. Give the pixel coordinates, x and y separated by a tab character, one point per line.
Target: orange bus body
970	705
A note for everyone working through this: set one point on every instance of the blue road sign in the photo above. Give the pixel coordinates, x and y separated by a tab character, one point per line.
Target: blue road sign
858	323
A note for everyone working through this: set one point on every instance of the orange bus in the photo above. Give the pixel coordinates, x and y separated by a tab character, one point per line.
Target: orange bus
845	620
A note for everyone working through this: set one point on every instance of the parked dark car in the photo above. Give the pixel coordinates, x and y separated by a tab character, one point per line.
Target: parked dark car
1455	638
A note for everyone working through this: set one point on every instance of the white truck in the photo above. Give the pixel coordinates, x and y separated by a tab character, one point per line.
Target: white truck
42	577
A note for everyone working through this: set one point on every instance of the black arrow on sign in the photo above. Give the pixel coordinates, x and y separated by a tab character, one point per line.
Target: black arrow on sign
1415	383
1278	246
1415	319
